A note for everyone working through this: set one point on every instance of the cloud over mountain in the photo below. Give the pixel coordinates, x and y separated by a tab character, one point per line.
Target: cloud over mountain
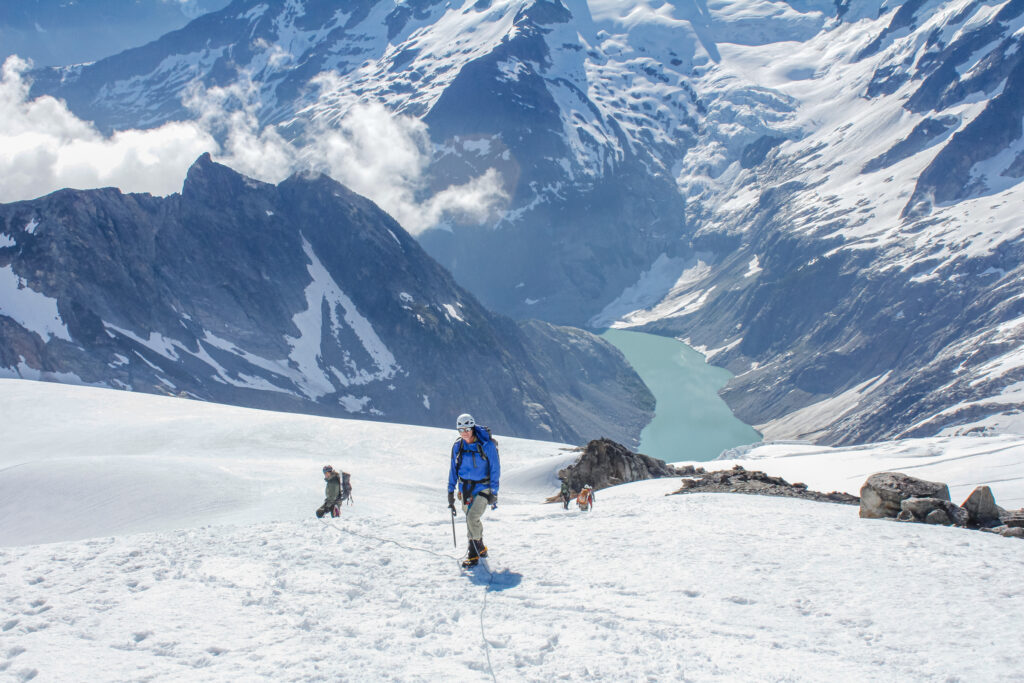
45	147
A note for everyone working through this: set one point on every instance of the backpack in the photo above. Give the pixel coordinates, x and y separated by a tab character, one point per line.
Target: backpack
346	487
583	498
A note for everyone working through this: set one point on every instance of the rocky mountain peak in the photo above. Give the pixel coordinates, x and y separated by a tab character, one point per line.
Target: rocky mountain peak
300	296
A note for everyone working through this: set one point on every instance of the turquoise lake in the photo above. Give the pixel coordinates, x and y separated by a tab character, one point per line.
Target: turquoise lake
691	421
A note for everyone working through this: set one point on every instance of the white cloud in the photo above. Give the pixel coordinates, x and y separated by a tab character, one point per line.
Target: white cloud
229	114
45	147
386	158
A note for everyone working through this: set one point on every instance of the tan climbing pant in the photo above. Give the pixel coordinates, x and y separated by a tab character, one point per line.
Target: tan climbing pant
474	526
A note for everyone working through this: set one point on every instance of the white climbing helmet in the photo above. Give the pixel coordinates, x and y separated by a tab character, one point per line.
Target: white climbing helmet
465	421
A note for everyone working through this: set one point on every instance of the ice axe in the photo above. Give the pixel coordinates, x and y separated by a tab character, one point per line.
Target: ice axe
455	542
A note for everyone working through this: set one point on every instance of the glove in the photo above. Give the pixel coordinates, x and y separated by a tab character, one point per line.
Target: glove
493	498
451	500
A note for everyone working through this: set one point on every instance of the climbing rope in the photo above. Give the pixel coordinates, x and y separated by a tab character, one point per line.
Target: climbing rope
487	588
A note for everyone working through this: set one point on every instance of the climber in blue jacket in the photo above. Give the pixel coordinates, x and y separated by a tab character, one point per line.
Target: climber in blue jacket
476	472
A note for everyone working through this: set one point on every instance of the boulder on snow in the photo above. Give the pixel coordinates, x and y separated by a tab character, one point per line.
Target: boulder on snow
605	463
883	492
981	507
932	511
1012	518
892	494
938	516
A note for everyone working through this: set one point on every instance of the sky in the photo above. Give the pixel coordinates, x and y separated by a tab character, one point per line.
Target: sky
152	538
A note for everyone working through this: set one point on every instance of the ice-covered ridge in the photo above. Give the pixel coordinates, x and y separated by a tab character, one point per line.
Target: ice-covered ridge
419	63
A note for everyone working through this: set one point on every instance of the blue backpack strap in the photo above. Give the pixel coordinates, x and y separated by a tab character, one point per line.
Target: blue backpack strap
467	484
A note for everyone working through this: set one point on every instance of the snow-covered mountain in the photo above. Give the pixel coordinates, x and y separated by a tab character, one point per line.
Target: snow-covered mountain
301	296
507	85
150	538
57	32
864	277
823	195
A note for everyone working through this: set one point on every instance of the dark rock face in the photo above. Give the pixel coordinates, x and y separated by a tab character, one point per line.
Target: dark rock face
740	480
590	382
605	463
299	297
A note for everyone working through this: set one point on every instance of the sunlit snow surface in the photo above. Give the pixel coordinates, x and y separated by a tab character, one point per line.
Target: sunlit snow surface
149	538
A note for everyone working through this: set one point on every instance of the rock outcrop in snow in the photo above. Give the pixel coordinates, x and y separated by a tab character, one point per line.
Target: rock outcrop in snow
895	495
740	480
605	463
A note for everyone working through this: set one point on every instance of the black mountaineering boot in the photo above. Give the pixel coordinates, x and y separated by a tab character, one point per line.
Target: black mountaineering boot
472	557
481	548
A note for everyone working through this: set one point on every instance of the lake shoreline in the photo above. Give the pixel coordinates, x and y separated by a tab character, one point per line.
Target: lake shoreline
691	420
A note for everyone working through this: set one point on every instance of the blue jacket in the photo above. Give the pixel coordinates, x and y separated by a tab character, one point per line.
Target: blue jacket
474	466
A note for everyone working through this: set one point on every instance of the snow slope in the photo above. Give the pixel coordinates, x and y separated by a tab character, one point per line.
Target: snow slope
189	552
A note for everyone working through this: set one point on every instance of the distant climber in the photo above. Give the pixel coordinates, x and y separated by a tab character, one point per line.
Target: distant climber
476	471
566	494
586	498
332	494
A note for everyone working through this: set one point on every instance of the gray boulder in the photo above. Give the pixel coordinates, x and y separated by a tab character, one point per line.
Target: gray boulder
882	493
938	516
932	511
1013	518
981	507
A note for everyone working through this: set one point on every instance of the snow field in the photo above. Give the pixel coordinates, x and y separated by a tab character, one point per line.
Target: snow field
232	578
696	587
